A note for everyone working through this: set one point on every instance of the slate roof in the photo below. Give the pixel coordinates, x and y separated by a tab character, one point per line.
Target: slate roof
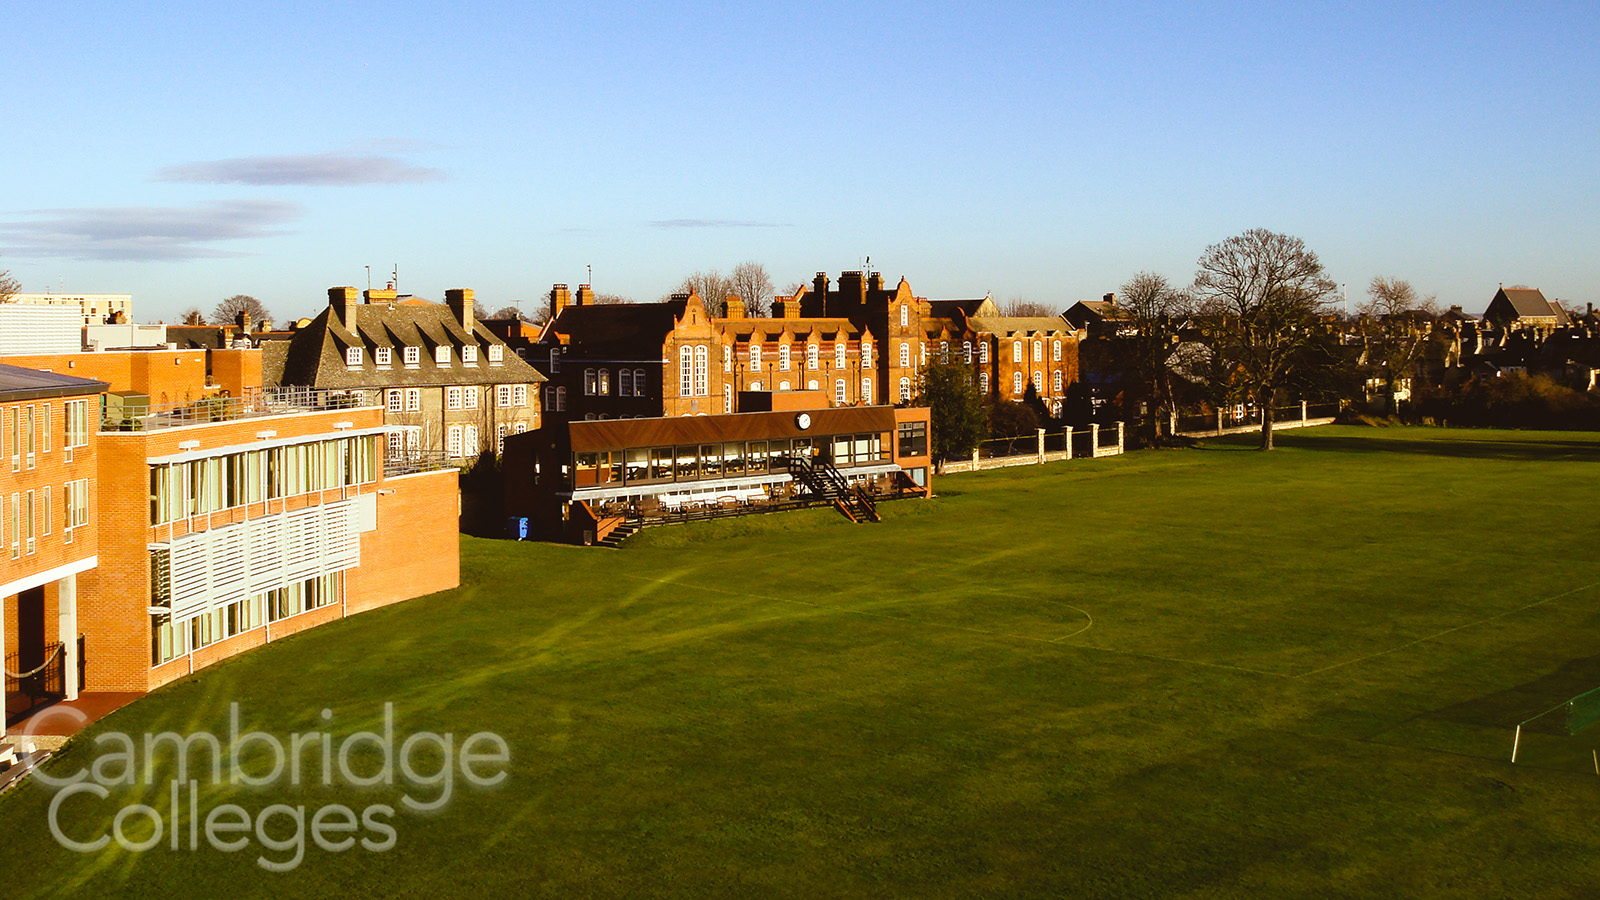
616	330
947	309
18	384
766	330
1014	324
1529	303
315	356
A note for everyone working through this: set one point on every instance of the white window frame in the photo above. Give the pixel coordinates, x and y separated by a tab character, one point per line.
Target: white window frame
812	356
905	390
866	390
469	355
702	374
839	355
1056	353
413	399
412	356
452	441
866	354
1016	351
383	356
441	355
905	355
469	397
841	392
352	357
983	352
1016	382
783	357
502	396
497	354
394	400
519	395
452	397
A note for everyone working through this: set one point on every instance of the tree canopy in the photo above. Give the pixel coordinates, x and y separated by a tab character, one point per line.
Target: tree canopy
229	309
956	409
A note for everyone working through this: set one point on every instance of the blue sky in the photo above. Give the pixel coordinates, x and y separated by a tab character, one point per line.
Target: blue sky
187	151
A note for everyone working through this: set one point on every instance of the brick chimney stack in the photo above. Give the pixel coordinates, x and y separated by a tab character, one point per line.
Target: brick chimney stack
342	304
462	306
1110	298
585	296
735	307
560	299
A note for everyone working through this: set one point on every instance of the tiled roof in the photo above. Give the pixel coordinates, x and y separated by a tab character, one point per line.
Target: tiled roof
1013	324
617	330
315	356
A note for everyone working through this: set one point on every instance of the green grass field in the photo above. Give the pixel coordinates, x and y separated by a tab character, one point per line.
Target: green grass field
1198	673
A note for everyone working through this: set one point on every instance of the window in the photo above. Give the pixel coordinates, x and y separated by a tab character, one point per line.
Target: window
755	356
393	400
783	358
1016	351
394	443
1016	383
452	397
811	356
500	440
905	317
469	354
441	355
983	352
411	355
75	506
560	404
944	351
839	392
555	360
44	429
966	352
469	440
913	438
923	357
838	356
866	390
755	385
352	357
15	418
29	435
727	357
905	390
905	356
16	526
605	383
497	354
1038	382
727	398
983	383
519	395
638	383
701	371
44	516
685	371
1038	351
1057	383
811	385
27	523
625	383
591	382
519	428
1056	352
413	399
782	386
452	441
470	396
502	395
76	424
383	356
866	354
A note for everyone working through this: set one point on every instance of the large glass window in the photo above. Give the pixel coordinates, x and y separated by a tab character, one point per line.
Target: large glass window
913	439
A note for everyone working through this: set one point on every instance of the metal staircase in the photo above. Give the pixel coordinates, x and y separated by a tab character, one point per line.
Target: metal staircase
820	479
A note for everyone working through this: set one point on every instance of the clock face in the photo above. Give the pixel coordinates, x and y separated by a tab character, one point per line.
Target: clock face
803	421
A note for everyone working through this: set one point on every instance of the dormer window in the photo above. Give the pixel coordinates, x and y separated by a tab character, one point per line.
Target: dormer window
412	356
441	355
352	357
496	353
383	355
469	354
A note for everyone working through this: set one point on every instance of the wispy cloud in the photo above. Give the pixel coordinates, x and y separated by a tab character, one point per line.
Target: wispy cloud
318	169
154	233
714	223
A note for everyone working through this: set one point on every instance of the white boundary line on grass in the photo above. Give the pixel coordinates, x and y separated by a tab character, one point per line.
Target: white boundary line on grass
1450	630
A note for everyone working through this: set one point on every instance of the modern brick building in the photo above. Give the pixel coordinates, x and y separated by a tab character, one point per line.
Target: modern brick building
446	383
48	528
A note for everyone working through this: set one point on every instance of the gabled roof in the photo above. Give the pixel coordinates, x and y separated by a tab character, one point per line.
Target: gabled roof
947	309
1529	303
1086	311
616	330
18	384
771	329
1014	324
315	356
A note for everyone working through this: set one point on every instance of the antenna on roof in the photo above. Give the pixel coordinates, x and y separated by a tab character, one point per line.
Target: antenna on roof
396	275
369	278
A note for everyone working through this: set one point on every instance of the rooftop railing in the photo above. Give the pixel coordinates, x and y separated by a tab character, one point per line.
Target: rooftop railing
266	402
410	462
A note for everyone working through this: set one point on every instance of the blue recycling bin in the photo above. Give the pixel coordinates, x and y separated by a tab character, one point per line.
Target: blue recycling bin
518	528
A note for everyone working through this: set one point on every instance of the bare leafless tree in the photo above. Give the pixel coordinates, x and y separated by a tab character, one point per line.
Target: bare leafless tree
753	285
229	309
9	287
1265	294
1018	306
192	316
610	299
1394	324
713	288
1157	310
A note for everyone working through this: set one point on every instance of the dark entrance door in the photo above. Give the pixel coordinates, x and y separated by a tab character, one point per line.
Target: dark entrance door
39	684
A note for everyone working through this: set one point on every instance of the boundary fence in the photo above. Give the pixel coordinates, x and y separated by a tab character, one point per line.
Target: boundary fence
1042	447
1242	419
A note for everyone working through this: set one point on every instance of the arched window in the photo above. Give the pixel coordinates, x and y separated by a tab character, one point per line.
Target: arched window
983	383
866	390
452	441
905	355
638	382
1056	353
755	385
983	352
905	317
755	356
1038	382
1057	384
866	354
605	382
924	355
1016	383
727	398
702	365
727	358
1038	351
783	357
944	351
1016	351
625	383
783	385
685	371
589	381
905	390
839	392
811	356
812	385
838	356
966	352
